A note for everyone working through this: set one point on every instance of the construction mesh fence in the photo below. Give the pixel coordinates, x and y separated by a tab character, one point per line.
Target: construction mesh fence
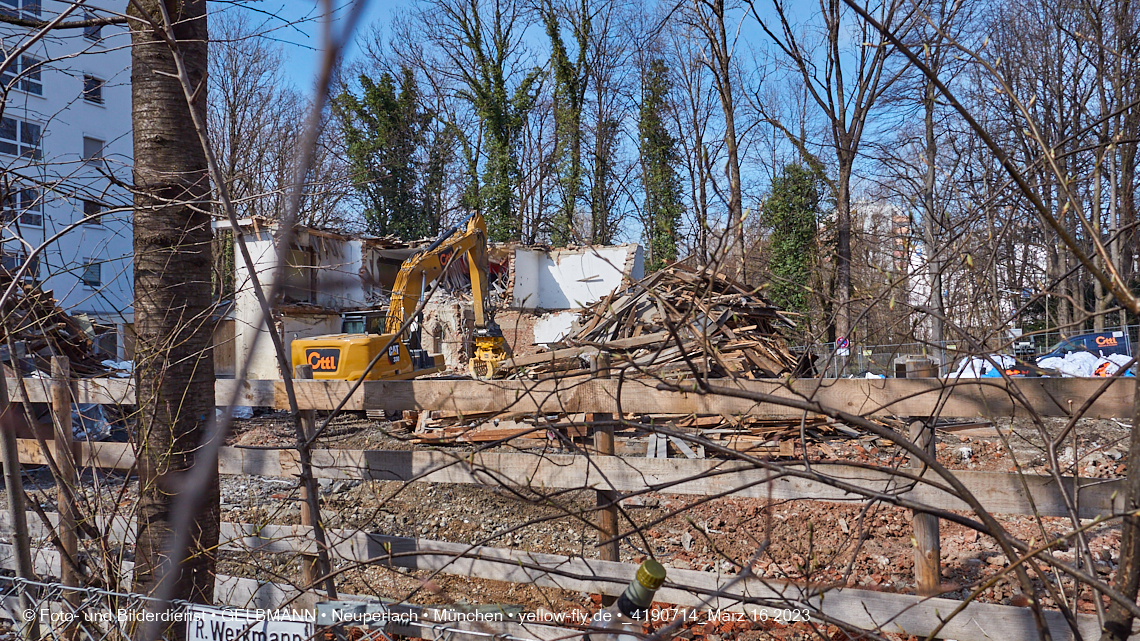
50	611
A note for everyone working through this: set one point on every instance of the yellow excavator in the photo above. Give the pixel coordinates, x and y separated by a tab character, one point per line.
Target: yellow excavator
346	356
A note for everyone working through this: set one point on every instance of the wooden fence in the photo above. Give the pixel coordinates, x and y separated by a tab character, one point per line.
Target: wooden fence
866	397
999	493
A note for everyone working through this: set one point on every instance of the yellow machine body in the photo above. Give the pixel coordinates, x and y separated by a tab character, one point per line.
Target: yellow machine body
344	357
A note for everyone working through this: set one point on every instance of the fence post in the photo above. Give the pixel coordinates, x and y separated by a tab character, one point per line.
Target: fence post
927	546
309	563
14	485
68	483
606	499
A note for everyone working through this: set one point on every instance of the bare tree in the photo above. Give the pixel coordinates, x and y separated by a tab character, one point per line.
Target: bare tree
845	86
609	106
709	19
694	114
255	123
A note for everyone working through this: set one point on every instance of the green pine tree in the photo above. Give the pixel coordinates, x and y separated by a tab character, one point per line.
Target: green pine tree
397	165
792	210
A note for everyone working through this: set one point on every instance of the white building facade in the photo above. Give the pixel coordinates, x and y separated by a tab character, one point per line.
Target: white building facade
65	149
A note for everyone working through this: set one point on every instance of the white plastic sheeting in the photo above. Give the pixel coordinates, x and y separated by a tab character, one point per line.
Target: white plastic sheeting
121	369
89	423
1073	365
976	367
1085	364
240	411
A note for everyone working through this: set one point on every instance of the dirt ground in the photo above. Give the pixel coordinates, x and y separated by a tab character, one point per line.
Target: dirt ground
821	543
848	544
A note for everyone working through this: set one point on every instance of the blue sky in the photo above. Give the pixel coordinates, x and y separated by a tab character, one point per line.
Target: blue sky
295	25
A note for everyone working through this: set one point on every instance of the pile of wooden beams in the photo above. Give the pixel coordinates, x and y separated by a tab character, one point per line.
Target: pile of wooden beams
654	436
39	329
676	322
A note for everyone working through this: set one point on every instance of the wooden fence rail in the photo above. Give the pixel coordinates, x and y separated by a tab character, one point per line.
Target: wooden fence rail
999	493
241	592
868	397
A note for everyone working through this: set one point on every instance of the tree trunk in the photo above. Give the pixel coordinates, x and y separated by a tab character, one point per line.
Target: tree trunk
1118	621
703	175
933	265
720	49
172	243
843	249
1100	296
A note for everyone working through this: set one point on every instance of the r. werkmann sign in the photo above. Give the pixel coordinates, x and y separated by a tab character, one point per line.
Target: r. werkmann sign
209	624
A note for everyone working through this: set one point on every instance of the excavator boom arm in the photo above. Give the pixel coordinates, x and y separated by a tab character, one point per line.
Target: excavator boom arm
423	268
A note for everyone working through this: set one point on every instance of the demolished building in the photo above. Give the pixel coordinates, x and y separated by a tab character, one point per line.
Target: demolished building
335	282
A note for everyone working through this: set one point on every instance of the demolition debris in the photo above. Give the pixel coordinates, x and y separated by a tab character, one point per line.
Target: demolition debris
676	322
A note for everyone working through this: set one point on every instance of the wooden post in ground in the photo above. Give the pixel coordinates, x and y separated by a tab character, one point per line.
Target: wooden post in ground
66	455
309	563
14	486
927	547
607	499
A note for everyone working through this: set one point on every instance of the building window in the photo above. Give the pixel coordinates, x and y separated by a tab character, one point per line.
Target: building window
24	74
92	89
11	263
300	276
32	208
107	341
19	138
92	273
14	7
24	204
94	33
92	212
92	148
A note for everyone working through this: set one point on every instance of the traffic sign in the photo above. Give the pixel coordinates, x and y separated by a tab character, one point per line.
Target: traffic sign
842	342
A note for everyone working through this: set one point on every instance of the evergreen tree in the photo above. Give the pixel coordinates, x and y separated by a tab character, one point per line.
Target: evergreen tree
792	211
396	164
503	119
662	211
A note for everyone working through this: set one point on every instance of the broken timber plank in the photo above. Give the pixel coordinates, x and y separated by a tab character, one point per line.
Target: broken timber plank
685	449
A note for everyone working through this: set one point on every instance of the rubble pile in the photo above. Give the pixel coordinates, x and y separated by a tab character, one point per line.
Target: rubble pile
671	324
40	329
674	322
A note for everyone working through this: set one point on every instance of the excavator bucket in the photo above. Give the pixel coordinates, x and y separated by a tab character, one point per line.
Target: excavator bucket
490	351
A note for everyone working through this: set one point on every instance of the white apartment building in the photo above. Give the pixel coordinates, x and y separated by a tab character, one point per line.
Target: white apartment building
65	146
